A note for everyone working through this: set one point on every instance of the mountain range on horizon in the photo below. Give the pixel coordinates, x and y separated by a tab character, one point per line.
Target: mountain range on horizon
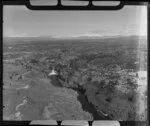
79	36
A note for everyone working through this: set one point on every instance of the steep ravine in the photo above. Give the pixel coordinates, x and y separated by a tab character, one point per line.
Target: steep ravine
87	106
82	98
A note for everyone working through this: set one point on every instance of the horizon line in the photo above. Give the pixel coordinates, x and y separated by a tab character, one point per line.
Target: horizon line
73	36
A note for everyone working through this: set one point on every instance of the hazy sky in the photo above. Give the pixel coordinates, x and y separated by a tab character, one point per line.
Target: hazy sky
21	22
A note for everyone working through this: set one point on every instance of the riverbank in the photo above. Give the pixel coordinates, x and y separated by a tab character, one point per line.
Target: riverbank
82	98
34	97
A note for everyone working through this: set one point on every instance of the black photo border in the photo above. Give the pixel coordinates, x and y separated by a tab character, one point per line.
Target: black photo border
71	8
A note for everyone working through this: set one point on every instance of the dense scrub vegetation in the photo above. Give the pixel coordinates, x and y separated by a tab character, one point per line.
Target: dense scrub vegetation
105	71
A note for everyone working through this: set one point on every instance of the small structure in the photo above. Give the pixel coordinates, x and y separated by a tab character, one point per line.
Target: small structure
53	75
53	72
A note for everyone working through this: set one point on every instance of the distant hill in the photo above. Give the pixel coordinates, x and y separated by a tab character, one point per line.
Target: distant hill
28	40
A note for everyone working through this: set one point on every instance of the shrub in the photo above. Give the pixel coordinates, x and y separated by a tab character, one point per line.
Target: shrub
109	99
34	61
